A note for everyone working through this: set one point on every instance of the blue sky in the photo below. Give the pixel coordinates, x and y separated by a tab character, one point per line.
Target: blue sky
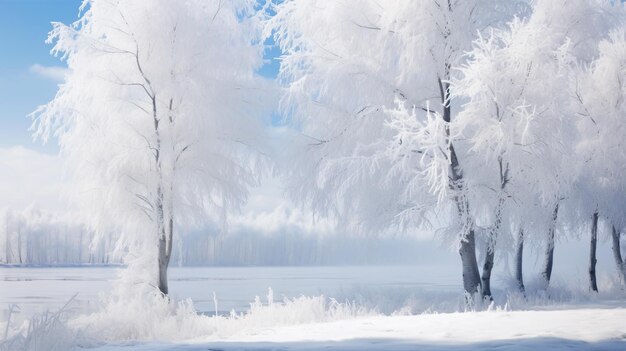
24	25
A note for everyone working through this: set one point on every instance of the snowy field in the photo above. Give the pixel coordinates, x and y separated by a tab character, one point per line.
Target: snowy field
576	329
311	308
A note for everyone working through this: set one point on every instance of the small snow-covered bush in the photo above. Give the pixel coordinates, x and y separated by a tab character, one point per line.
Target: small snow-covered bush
154	317
299	310
150	318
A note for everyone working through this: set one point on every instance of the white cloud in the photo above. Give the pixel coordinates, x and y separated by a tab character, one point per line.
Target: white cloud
55	73
283	219
28	176
270	211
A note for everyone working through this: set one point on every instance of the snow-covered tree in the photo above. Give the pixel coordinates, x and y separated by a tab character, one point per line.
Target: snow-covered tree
368	88
517	122
600	91
158	118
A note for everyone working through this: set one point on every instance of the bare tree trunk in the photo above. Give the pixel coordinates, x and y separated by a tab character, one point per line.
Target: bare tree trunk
491	252
162	230
519	257
167	233
549	255
592	252
163	263
487	267
467	248
471	276
165	254
617	254
493	235
163	260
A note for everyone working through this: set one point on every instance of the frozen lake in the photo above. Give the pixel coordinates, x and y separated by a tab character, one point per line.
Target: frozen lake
37	289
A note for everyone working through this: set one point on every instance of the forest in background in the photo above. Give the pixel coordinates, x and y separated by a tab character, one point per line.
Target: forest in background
38	237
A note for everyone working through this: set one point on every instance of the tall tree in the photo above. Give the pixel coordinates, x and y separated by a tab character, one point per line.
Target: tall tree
356	74
158	118
599	94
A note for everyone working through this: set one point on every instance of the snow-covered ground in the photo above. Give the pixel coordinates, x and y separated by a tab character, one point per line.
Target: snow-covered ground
311	308
574	329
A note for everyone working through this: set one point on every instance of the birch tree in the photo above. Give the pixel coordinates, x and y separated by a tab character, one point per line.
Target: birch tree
158	119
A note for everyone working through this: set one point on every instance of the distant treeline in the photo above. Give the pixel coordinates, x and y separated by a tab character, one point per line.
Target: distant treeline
34	236
38	237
